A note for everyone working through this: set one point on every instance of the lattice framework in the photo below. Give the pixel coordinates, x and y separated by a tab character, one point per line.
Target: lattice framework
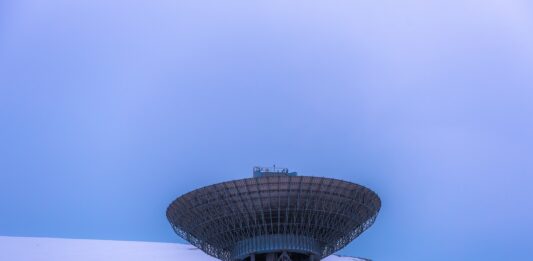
332	212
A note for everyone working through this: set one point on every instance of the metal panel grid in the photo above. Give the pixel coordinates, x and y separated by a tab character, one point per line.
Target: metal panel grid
331	212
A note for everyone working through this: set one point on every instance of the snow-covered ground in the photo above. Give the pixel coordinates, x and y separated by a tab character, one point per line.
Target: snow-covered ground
61	249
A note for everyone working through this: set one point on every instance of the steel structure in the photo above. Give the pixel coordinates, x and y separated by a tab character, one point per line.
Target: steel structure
276	215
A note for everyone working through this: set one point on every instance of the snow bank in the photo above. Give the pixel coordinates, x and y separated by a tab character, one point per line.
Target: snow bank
61	249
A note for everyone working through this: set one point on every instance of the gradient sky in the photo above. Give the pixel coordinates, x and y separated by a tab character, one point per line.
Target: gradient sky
111	109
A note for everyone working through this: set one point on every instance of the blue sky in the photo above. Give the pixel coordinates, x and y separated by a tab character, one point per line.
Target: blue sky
111	109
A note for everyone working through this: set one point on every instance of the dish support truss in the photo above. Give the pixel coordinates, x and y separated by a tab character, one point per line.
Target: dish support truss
313	216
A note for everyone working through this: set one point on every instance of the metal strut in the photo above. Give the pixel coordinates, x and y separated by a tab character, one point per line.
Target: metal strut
284	257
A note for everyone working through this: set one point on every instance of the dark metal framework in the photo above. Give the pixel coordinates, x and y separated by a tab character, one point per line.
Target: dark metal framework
237	219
